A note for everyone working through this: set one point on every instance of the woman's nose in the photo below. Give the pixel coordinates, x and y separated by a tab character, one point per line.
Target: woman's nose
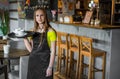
39	17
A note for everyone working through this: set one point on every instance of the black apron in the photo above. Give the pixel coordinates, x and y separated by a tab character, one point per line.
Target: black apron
39	58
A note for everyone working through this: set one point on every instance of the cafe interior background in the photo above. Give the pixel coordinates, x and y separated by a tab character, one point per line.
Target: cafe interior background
65	13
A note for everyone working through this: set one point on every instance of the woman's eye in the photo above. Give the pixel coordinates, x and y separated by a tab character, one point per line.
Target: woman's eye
37	15
42	15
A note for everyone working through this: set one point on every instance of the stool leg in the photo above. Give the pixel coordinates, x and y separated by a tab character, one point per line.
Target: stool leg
103	65
90	68
77	67
81	68
71	63
64	58
59	69
93	64
66	62
69	69
58	59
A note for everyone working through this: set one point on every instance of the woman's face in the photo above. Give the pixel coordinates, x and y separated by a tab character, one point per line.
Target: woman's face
40	17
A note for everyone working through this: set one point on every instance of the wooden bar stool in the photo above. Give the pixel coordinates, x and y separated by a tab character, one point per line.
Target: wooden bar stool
62	43
87	50
74	48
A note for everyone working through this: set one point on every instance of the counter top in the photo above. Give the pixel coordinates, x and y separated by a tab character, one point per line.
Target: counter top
14	53
101	26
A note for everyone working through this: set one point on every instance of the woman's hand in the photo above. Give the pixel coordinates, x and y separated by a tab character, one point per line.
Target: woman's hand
28	44
49	71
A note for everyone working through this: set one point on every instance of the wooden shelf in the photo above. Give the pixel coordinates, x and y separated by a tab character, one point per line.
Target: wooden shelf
115	13
13	10
104	1
117	22
117	2
13	18
13	2
81	9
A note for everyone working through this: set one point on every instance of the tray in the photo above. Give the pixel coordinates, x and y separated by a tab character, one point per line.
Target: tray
27	34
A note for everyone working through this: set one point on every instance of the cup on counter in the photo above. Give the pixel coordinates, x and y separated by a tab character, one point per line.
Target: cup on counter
6	49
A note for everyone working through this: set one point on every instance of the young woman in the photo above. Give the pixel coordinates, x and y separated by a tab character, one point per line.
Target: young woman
42	46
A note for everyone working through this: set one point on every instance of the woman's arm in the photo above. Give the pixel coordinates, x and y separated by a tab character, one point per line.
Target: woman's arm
53	52
51	37
52	58
28	44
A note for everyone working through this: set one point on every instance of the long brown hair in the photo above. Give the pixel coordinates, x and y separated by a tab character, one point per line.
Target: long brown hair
46	23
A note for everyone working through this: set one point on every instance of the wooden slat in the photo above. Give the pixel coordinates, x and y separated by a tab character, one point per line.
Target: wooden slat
13	10
13	18
13	1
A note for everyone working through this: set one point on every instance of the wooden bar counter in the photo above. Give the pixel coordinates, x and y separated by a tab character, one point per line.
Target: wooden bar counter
101	26
13	54
106	37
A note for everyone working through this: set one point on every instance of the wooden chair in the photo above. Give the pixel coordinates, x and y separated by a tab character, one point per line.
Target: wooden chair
74	47
62	43
87	50
3	69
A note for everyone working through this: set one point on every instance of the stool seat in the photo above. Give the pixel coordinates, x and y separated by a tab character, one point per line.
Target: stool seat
63	46
98	51
74	48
